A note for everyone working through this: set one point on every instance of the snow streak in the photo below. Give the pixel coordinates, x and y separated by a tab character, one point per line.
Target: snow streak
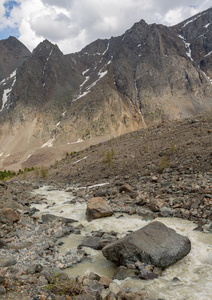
7	91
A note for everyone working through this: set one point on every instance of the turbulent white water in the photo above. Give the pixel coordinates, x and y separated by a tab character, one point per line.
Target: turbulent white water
194	272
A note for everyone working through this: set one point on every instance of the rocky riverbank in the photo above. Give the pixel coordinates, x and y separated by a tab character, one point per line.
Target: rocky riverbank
30	246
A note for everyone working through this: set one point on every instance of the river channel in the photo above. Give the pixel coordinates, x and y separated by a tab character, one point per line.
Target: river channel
193	273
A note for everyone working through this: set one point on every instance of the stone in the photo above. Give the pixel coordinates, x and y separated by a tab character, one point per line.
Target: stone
97	208
49	218
105	281
154	244
2	290
94	276
10	213
147	274
42	281
154	179
92	242
3	244
7	263
114	288
126	188
122	273
34	268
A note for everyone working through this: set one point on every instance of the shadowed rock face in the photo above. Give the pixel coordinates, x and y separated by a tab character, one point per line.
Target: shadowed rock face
149	74
12	55
153	244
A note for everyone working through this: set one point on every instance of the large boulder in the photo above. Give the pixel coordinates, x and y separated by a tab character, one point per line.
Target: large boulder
153	244
97	208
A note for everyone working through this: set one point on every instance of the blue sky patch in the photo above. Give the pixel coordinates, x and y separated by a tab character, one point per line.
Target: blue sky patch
8	31
9	6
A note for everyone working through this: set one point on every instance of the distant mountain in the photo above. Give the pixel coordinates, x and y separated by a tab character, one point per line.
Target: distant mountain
150	74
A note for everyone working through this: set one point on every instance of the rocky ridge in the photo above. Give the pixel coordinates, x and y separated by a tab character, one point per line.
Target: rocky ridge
150	74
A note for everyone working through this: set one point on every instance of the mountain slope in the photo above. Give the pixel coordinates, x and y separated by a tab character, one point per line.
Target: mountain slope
150	74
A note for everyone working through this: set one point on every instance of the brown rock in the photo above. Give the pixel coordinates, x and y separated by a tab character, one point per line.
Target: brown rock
97	208
105	281
9	213
126	188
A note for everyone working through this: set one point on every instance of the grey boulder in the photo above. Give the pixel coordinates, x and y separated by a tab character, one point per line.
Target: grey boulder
154	244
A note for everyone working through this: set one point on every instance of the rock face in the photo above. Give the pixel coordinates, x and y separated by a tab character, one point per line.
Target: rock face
153	244
97	208
12	55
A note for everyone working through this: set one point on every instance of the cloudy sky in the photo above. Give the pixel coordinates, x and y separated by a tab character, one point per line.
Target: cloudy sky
72	24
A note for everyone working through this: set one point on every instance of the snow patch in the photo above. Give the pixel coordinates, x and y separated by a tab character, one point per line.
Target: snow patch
192	20
100	74
207	76
44	68
79	141
7	155
58	124
208	54
27	157
79	160
64	113
110	61
86	79
8	91
206	26
106	48
187	46
1	154
97	185
84	72
49	143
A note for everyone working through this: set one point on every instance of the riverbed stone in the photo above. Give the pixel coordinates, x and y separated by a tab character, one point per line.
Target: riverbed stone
10	213
97	208
49	218
122	273
154	244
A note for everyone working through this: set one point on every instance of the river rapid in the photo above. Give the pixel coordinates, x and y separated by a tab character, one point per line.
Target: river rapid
188	279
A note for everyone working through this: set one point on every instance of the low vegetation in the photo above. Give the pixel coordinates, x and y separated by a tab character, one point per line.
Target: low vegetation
7	174
65	286
108	156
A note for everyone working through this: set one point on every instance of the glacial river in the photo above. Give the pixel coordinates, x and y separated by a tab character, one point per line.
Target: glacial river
194	272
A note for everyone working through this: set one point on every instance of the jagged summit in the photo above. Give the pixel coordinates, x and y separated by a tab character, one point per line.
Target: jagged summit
12	55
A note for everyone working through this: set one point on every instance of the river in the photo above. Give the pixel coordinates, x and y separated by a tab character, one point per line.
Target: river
193	274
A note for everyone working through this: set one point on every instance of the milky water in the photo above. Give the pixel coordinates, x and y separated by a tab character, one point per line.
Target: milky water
194	272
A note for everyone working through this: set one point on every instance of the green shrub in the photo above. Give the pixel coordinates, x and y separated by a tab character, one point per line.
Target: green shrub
43	172
108	156
163	163
65	286
172	147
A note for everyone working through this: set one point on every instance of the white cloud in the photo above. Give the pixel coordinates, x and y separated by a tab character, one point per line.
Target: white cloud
74	23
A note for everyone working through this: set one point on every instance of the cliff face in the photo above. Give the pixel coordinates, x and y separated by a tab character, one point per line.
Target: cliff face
151	73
